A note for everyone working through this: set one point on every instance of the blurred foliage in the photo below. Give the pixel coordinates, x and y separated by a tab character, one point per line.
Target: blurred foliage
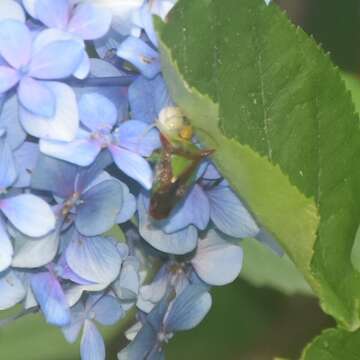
245	323
353	84
31	338
334	24
334	344
251	323
263	267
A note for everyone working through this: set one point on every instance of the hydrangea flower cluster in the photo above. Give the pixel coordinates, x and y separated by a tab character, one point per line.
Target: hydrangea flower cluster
82	151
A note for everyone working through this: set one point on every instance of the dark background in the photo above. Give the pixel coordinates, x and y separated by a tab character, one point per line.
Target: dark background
335	24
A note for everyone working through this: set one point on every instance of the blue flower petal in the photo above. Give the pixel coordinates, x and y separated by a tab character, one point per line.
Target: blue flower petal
143	343
152	293
211	173
12	34
146	340
194	210
29	214
6	248
106	309
63	125
137	137
8	171
50	36
201	170
97	112
217	261
116	94
148	97
36	97
99	208
10	9
9	120
178	243
229	214
54	175
54	14
92	345
12	289
90	175
162	7
267	239
123	14
83	69
128	208
34	253
29	6
123	250
72	330
188	309
81	151
74	293
25	158
56	60
127	285
141	55
94	258
65	272
51	298
133	165
8	78
143	18
89	22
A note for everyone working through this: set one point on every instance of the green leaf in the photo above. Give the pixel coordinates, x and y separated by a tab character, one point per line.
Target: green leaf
284	128
263	267
355	252
353	84
334	344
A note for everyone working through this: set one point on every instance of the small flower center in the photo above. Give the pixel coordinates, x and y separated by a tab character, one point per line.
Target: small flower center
24	70
70	203
177	268
104	137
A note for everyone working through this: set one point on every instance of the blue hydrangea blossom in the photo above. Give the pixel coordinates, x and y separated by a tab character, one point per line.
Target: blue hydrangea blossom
66	20
127	142
33	62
